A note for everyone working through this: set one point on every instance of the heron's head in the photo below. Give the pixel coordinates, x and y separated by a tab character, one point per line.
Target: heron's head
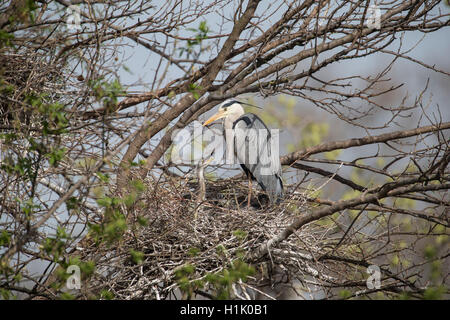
228	109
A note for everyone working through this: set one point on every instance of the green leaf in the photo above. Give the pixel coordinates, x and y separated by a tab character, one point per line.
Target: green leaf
194	251
430	251
138	185
6	39
105	201
142	221
5	238
107	295
239	234
67	296
345	294
435	293
137	256
103	177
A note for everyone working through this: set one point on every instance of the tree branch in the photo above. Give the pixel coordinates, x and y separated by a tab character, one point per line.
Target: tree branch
357	142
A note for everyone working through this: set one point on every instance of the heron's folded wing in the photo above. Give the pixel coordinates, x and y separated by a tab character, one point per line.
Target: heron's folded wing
256	146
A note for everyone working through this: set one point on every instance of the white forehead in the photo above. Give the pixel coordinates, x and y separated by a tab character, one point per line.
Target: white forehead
231	105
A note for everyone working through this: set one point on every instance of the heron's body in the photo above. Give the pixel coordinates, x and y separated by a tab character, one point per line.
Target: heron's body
249	139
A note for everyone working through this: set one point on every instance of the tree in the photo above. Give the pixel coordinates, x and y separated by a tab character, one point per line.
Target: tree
87	178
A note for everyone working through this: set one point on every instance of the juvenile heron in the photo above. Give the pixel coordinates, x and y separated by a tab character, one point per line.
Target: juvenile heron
251	141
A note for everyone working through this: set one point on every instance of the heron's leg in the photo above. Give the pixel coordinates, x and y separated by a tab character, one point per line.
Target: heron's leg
249	191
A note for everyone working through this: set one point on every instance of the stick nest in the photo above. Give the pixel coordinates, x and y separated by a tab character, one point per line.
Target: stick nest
25	75
208	236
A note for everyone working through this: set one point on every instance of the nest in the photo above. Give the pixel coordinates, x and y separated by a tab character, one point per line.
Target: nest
208	236
24	75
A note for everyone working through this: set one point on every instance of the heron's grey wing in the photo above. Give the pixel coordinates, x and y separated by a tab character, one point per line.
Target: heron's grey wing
256	148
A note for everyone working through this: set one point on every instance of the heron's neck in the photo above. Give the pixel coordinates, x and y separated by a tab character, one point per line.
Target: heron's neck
229	137
228	122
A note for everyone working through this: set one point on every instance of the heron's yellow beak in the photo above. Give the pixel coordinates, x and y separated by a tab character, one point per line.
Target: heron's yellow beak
219	115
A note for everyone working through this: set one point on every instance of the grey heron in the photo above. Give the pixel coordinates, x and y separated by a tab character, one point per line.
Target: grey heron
252	143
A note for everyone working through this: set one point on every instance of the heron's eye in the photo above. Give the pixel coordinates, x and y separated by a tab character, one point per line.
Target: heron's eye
224	108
